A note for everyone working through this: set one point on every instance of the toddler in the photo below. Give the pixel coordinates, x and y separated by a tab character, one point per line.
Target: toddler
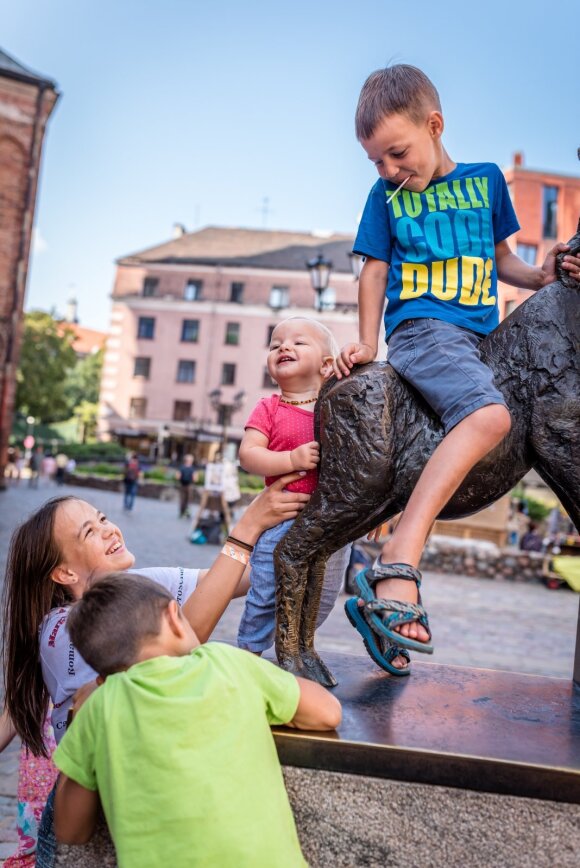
280	436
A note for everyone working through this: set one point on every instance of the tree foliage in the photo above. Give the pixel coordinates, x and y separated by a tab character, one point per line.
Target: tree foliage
84	379
46	357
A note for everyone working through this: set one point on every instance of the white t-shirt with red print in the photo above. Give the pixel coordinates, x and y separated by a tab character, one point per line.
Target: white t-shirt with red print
63	668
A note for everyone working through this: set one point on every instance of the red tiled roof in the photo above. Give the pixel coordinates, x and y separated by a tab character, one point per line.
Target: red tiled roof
86	340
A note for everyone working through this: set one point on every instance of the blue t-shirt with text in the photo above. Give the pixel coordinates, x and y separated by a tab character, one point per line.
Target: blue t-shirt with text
440	246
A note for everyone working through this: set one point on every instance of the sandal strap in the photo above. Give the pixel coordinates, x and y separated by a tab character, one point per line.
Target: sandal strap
380	571
396	613
395	651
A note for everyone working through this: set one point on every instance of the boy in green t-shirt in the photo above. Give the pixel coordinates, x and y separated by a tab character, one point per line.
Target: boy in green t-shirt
176	741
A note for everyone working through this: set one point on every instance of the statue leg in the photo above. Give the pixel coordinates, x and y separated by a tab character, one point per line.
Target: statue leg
291	575
326	575
564	480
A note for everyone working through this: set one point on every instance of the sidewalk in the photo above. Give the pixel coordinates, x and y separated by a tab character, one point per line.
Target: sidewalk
475	622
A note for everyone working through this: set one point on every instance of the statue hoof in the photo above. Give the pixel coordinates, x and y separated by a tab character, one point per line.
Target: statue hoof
316	669
291	664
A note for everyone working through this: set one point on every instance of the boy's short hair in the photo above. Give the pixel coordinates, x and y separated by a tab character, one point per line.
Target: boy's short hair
396	90
331	342
113	619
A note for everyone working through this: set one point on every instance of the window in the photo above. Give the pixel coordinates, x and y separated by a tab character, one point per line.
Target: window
146	328
181	411
186	371
550	212
150	285
190	330
269	334
237	293
527	252
267	381
279	297
138	408
142	367
192	291
233	333
228	374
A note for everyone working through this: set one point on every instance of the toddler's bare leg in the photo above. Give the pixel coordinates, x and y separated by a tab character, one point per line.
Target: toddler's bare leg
458	452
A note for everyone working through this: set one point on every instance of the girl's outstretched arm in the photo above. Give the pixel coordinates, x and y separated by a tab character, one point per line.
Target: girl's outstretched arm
205	606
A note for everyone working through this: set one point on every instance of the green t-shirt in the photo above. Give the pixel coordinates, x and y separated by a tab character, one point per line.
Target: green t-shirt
181	752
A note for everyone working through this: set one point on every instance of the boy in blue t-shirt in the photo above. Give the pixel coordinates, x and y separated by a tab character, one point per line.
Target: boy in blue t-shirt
434	233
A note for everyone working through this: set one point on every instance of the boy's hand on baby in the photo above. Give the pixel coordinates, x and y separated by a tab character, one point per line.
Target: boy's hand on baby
350	355
570	264
305	457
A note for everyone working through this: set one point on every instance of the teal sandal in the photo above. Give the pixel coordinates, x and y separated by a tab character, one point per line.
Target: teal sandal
380	649
384	615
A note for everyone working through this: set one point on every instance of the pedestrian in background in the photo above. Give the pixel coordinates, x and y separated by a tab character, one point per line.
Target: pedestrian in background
131	481
34	465
61	462
186	478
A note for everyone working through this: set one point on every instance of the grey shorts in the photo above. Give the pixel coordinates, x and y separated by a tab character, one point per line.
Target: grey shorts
442	362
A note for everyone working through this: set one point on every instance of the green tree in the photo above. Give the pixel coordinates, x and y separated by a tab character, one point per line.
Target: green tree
83	381
46	358
86	414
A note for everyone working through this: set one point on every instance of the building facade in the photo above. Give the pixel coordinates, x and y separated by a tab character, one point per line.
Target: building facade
190	325
548	208
26	102
191	319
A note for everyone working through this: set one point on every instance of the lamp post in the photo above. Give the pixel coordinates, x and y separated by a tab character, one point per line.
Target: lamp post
226	411
29	439
319	269
162	435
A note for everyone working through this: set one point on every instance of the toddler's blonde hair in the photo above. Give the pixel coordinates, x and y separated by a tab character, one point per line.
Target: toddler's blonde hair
331	343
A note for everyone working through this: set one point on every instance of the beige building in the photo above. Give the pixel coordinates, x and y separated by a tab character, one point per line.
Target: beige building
194	316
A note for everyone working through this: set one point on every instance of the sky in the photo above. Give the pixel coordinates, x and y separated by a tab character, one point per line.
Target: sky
197	112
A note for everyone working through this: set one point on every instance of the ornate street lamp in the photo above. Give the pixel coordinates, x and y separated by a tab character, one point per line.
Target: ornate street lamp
319	269
226	411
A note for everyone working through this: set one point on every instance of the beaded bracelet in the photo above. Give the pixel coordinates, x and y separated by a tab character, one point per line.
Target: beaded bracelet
239	542
236	555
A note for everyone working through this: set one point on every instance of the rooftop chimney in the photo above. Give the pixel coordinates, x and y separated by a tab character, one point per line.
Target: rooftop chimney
518	159
178	230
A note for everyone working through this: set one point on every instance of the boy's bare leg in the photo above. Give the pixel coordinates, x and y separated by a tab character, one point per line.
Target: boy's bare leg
458	452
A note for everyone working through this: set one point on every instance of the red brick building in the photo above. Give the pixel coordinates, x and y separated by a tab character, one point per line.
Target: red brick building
26	102
548	207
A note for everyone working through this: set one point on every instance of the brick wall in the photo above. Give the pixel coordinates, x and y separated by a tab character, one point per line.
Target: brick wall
24	110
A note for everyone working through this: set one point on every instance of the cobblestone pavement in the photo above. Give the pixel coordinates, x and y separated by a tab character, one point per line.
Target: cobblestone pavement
475	622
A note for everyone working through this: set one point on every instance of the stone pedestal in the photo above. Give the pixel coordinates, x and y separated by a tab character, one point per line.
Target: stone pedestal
449	767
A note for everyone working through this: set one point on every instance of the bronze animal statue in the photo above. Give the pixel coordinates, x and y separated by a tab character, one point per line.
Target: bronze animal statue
376	434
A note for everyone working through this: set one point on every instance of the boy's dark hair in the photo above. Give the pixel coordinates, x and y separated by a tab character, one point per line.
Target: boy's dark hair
113	619
395	90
